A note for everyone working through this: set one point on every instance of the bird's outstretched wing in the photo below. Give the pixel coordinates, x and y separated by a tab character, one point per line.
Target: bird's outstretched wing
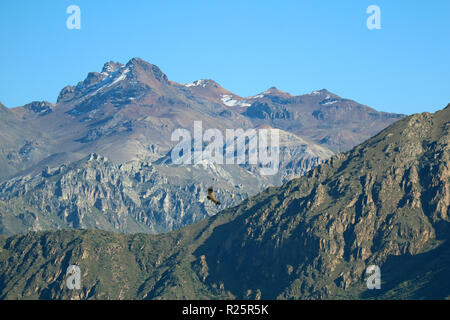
212	197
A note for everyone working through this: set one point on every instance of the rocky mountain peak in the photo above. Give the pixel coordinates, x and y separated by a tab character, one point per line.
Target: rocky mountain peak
324	94
40	107
204	83
275	90
272	93
65	93
111	74
142	68
111	67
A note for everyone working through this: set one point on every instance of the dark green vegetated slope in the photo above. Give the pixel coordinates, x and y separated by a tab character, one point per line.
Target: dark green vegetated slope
386	202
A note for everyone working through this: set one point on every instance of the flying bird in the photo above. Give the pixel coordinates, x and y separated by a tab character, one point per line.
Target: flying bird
212	197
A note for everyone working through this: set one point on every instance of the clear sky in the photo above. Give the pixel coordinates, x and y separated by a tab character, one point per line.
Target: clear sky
247	46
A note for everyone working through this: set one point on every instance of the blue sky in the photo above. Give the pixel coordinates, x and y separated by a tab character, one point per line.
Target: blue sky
247	46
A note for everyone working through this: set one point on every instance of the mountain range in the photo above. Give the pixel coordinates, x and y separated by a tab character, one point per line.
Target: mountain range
99	156
385	202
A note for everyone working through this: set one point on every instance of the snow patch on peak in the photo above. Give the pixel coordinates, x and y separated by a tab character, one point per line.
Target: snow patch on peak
329	102
122	76
111	67
108	69
198	83
230	102
321	92
111	80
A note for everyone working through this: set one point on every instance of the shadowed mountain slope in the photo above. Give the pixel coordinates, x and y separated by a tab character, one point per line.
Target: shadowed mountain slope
385	202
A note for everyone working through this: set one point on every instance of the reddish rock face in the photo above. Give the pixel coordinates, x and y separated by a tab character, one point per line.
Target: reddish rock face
384	203
135	105
127	113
